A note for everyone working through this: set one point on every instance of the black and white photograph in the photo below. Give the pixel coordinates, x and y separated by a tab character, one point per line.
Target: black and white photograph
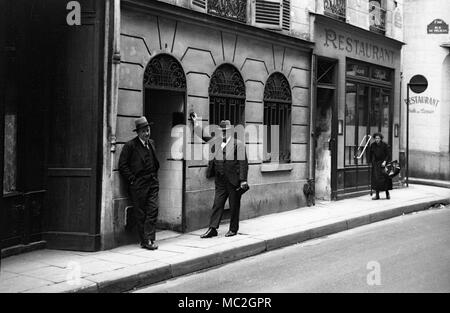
224	152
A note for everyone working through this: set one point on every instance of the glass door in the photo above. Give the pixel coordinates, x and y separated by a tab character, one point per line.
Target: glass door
367	111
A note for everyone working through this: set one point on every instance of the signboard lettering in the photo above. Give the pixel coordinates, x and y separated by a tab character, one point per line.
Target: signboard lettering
422	104
357	47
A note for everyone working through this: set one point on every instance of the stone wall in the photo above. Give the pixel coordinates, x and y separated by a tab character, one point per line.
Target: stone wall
200	49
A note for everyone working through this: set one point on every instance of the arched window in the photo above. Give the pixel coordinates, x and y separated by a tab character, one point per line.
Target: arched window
164	72
277	112
227	96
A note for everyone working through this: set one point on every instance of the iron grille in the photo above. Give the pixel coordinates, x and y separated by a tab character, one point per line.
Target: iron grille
277	111
231	9
227	81
335	9
277	89
164	72
227	96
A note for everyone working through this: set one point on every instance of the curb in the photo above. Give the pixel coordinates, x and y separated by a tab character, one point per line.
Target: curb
429	182
165	272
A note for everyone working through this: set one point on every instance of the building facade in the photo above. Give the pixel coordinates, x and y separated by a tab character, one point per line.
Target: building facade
221	62
326	73
356	90
427	54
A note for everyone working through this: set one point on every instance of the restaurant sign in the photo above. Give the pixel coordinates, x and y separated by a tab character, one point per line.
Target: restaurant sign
438	26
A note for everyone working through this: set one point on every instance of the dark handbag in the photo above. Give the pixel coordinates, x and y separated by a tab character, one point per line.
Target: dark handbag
211	170
392	169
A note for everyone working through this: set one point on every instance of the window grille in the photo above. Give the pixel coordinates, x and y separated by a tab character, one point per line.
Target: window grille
277	111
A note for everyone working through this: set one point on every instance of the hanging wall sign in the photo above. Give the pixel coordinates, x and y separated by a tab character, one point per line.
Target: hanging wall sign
438	26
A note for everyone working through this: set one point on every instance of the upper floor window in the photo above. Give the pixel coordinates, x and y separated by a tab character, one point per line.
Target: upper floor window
335	9
270	14
236	9
377	16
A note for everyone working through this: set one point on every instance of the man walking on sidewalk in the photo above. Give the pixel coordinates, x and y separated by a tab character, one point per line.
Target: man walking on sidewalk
230	168
139	166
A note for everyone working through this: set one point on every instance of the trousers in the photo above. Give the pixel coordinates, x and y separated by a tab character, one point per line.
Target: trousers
225	190
145	207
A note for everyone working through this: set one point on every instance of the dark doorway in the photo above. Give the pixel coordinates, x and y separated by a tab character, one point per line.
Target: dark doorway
166	110
165	106
325	130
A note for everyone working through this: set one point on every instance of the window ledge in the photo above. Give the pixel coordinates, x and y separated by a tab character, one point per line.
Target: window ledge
276	167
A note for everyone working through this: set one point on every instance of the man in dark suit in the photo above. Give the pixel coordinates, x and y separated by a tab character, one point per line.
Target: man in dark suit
139	166
230	168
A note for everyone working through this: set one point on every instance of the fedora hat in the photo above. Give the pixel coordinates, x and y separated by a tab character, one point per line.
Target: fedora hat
140	123
225	124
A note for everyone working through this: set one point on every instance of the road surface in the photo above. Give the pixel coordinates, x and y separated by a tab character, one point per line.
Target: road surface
410	253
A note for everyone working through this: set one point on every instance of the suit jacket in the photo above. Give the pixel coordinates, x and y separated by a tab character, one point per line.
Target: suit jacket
234	169
132	162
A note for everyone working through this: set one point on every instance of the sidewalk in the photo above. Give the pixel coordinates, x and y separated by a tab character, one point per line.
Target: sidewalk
128	267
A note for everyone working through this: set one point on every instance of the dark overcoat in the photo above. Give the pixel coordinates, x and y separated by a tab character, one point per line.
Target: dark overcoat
378	153
132	165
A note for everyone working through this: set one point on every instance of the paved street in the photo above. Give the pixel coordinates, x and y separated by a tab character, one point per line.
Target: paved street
412	252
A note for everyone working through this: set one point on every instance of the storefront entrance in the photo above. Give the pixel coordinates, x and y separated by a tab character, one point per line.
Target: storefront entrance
325	130
368	110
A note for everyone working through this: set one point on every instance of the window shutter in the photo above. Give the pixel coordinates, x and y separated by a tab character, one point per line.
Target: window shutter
199	5
287	15
268	14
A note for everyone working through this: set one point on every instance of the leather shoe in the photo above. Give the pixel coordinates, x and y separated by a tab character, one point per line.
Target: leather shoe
211	232
230	233
149	245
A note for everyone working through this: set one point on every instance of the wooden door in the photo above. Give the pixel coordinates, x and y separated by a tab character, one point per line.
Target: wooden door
73	132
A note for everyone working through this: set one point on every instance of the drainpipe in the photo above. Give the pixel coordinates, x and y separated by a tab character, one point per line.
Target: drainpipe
111	66
115	72
312	121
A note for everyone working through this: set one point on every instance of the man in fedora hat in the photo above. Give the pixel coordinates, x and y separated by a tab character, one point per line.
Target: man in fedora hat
139	166
230	168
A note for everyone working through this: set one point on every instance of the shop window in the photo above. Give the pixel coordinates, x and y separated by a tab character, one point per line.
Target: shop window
367	107
10	152
335	9
377	16
277	118
227	96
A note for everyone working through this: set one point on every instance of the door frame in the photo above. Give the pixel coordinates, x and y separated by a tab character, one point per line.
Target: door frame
184	164
334	117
